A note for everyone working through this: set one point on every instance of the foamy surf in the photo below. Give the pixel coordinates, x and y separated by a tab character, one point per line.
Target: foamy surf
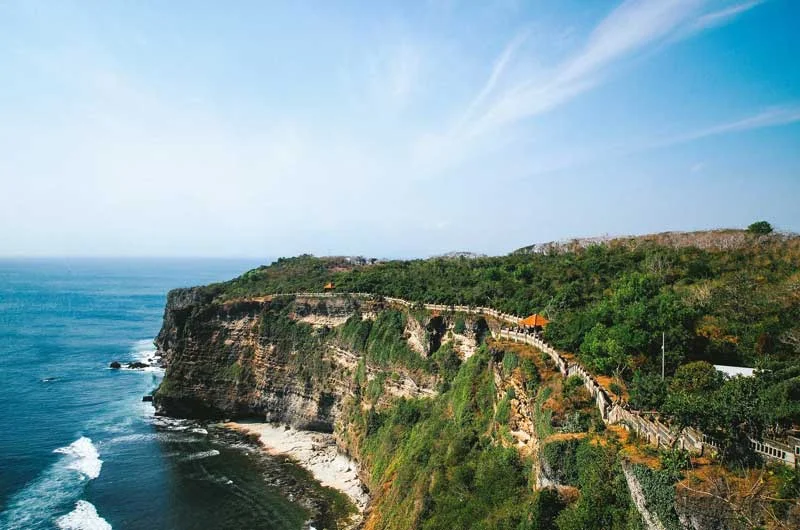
143	351
84	457
35	505
83	517
201	455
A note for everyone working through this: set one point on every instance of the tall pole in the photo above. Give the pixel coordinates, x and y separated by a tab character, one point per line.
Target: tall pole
663	335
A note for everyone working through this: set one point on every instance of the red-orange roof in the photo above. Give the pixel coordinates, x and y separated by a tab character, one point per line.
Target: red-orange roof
535	320
329	285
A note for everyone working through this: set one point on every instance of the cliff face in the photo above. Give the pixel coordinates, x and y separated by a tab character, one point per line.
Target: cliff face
274	359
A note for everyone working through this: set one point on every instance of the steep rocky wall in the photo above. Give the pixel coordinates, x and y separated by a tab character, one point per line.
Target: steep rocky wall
649	517
220	364
224	360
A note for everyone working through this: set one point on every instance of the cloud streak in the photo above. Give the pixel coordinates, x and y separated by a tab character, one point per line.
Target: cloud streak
771	117
723	16
631	28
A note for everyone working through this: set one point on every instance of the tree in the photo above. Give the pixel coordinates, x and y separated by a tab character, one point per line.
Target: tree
760	228
647	391
698	377
690	410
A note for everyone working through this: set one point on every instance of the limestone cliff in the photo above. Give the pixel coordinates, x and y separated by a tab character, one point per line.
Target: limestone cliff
270	358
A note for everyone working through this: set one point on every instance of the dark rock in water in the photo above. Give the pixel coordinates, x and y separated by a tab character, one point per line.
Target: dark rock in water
115	365
147	398
137	365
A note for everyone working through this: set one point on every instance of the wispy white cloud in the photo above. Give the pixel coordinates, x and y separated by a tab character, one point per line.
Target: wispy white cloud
634	27
723	16
631	28
497	71
772	117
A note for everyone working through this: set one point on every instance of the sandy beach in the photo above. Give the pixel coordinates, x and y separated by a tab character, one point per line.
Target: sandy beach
317	452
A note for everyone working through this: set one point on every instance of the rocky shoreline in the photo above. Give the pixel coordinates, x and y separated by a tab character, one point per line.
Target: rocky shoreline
328	505
317	453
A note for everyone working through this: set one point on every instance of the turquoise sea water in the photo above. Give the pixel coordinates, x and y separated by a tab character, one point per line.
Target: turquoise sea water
78	447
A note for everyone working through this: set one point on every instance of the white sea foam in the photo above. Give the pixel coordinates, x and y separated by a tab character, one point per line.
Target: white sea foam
133	438
84	457
143	350
201	455
35	505
164	437
83	517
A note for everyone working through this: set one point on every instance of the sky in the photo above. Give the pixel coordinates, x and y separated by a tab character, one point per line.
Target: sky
390	129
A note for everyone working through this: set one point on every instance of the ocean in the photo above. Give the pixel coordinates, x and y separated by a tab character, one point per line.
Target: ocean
78	447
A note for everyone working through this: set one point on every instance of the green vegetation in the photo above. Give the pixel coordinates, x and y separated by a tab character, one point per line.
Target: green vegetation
510	362
438	461
543	417
733	410
449	461
381	339
445	362
439	464
559	458
530	375
647	391
604	502
658	487
608	303
760	227
503	413
292	337
572	384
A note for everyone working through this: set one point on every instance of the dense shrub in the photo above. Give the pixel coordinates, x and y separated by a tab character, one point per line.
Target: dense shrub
604	502
559	457
658	487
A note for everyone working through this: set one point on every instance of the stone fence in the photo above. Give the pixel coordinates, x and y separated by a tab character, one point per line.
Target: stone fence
598	393
775	450
505	317
532	340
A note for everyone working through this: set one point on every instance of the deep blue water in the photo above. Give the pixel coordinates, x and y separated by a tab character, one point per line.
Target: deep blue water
76	437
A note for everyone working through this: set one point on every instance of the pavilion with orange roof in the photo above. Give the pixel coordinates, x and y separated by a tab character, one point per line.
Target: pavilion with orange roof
534	321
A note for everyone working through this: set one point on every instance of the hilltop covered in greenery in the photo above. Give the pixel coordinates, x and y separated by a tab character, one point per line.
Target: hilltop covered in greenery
735	301
608	302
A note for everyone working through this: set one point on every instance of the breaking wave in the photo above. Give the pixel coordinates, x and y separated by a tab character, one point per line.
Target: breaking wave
83	517
35	505
84	457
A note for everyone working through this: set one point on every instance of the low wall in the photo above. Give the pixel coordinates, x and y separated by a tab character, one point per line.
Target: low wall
531	340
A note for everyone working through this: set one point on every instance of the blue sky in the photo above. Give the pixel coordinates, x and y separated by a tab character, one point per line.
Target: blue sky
390	128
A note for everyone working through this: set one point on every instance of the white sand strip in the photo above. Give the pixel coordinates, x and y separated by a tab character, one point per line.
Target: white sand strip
317	452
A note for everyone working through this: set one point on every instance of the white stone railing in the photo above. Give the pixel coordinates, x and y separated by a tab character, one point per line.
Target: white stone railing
505	317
